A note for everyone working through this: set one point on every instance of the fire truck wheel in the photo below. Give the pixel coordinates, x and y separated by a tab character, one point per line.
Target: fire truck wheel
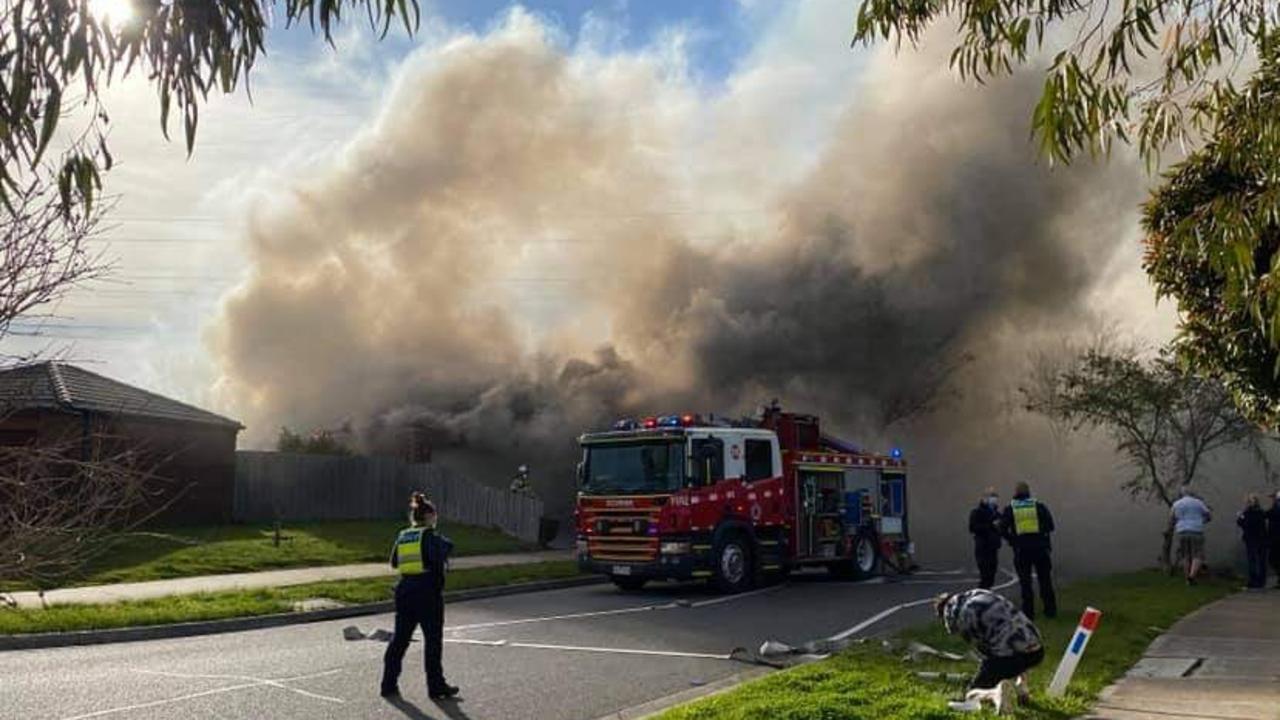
866	558
734	569
630	584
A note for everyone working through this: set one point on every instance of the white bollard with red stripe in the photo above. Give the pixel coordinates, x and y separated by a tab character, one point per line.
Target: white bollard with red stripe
1071	658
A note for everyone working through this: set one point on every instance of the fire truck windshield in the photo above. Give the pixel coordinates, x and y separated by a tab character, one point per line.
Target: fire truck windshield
634	468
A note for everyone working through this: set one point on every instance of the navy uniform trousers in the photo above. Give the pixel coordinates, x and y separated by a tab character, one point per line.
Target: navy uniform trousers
418	604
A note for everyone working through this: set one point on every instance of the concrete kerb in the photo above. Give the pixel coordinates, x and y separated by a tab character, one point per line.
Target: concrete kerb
35	641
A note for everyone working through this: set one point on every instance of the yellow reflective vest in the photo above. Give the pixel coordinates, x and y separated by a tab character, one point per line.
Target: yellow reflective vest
1026	518
409	560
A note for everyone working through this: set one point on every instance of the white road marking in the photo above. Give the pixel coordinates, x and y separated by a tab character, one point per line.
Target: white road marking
903	606
571	616
585	648
192	696
264	681
619	611
731	598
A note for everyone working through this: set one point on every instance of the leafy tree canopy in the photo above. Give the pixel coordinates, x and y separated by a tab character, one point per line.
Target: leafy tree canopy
1213	234
1146	71
1203	74
319	442
57	52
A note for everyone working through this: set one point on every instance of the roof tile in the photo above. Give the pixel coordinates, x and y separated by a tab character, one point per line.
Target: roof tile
59	386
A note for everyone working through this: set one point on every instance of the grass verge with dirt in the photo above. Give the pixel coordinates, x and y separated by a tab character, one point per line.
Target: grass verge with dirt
163	553
868	682
248	603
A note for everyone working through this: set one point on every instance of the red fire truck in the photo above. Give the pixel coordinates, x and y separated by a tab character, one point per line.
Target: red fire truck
683	497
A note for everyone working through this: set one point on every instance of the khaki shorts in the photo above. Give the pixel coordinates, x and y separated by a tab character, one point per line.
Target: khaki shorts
1191	545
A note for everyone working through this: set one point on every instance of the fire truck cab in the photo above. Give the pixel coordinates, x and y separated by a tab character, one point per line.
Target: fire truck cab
682	497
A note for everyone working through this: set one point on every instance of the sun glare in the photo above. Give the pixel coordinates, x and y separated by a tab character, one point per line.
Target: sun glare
115	12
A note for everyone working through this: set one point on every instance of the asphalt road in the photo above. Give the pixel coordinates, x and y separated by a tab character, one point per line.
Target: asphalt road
564	655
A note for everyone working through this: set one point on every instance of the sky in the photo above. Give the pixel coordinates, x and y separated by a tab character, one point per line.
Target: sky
176	237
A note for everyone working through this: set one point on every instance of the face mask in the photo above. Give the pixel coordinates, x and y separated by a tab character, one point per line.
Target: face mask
993	501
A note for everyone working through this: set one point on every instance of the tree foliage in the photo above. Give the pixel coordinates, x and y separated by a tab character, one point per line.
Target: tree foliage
44	253
1164	420
1151	72
319	442
1212	237
61	510
55	52
1155	72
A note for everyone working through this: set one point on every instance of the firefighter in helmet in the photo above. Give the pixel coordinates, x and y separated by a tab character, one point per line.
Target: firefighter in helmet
1027	524
520	483
421	555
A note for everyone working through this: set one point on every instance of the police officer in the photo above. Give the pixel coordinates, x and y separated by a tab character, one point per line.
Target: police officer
420	554
984	524
1026	524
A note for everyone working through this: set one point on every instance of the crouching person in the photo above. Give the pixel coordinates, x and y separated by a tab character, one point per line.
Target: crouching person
1002	635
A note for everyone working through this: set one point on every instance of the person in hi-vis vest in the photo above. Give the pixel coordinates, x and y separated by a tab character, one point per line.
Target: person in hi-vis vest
421	555
1027	524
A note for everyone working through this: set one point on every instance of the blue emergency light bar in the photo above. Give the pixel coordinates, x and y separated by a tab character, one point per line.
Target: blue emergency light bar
896	453
658	421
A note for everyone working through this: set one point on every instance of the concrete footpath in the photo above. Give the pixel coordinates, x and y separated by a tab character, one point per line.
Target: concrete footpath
97	594
1221	662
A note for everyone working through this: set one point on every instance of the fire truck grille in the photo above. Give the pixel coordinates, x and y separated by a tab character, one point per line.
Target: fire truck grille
623	548
622	535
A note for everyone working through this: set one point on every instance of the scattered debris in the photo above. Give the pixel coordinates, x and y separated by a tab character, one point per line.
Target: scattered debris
321	603
949	677
773	648
351	632
917	650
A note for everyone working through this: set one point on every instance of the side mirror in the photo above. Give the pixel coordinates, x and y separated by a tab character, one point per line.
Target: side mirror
578	474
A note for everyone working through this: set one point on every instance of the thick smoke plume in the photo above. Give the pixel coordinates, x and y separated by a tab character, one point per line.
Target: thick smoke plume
894	282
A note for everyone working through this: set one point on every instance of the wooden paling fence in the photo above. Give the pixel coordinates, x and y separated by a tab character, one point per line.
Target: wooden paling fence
290	487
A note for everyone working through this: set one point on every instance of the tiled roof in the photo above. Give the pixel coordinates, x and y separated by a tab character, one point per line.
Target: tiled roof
58	386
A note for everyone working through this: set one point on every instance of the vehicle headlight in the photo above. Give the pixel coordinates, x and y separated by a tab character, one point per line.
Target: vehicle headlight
676	548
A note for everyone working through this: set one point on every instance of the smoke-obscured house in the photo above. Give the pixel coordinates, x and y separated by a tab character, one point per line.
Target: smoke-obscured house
56	404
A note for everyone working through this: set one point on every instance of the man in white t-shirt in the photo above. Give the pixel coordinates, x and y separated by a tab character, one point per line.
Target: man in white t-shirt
1189	516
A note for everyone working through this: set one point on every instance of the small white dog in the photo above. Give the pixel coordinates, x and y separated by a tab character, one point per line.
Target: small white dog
1004	697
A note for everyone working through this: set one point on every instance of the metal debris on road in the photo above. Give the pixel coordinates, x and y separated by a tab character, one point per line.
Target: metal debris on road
351	632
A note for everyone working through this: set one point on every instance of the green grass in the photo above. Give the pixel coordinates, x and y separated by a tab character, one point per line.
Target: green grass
162	553
867	682
246	603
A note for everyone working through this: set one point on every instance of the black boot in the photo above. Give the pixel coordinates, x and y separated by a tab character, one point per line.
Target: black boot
444	692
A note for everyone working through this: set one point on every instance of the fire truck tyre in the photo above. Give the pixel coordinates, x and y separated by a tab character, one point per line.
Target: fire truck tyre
866	558
734	569
630	584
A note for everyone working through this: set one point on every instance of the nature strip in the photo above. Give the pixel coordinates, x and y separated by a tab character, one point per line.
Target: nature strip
32	641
